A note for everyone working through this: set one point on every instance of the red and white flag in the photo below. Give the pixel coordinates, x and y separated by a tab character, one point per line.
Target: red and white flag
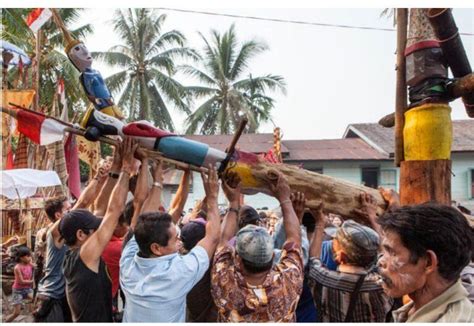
39	128
62	99
37	18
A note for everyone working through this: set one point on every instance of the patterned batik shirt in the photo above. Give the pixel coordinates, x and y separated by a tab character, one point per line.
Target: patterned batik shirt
273	301
332	294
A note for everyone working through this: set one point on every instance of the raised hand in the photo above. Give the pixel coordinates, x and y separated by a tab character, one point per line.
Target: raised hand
298	201
279	186
319	217
127	153
211	183
231	187
391	197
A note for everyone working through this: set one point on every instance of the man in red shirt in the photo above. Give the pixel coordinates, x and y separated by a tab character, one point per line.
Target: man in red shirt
113	252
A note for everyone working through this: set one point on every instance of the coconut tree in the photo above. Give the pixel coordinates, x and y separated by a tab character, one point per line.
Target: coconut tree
54	63
146	60
226	95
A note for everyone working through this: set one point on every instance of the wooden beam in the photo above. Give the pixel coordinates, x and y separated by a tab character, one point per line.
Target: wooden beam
401	85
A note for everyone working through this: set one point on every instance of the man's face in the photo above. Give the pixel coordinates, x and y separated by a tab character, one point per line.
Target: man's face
399	275
81	56
65	208
174	243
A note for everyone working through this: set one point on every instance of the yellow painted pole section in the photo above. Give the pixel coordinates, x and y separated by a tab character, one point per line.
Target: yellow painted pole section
428	133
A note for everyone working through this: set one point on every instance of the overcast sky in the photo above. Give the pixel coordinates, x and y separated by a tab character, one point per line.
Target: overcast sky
335	76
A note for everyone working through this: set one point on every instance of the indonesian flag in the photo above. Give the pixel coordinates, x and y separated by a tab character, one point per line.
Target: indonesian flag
62	99
37	18
39	128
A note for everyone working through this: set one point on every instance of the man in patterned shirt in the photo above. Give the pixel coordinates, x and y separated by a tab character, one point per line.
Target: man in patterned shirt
246	287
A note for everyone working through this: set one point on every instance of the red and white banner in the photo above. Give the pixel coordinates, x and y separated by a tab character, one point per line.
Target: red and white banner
39	128
62	99
37	18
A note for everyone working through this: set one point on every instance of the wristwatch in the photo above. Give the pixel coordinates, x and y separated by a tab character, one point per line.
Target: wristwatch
157	184
235	210
114	175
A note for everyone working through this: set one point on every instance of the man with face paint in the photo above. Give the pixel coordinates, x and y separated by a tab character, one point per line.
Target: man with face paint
91	79
425	248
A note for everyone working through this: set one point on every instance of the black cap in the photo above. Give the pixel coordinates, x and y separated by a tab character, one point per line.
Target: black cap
78	219
248	215
192	233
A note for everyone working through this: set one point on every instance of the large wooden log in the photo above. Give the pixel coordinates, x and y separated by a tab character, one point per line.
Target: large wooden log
339	196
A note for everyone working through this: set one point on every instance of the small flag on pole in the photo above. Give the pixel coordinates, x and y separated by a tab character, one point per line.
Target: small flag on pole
37	18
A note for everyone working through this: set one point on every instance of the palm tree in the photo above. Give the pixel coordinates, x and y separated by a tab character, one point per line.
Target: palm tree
227	98
54	63
147	62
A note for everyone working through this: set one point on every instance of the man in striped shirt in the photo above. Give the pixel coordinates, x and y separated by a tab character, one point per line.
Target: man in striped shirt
352	293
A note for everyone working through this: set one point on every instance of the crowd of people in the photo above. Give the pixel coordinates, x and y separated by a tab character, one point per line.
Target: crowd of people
116	257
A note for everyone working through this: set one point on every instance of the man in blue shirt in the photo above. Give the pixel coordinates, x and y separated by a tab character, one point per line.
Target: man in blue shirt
153	276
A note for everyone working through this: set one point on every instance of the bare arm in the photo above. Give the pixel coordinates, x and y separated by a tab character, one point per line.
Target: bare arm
153	201
90	192
141	190
211	185
281	191
92	249
317	240
100	204
231	188
179	200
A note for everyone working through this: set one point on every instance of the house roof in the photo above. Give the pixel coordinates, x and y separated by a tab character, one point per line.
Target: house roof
254	143
361	141
331	149
383	139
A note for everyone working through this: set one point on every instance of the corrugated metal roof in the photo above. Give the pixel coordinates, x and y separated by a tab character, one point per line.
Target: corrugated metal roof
254	143
331	149
463	135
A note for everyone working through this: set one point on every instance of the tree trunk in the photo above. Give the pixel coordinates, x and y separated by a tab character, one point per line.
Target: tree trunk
425	181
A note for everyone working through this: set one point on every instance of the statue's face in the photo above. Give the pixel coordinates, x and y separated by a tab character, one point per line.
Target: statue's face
80	56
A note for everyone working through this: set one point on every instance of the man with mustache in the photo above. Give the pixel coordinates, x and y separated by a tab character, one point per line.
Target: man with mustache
425	247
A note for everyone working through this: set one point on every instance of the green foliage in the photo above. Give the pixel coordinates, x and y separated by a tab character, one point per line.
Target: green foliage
226	97
54	63
147	59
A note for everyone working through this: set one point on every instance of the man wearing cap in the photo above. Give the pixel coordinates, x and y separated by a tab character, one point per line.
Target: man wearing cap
352	293
246	286
88	286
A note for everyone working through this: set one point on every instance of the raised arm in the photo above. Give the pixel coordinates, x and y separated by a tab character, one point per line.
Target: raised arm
142	189
281	190
103	198
231	188
153	201
179	200
211	186
90	192
92	249
317	240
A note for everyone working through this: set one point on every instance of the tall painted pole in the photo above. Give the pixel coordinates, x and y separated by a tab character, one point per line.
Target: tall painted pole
427	134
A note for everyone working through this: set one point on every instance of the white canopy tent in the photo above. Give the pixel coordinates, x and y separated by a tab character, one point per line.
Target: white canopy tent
23	183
